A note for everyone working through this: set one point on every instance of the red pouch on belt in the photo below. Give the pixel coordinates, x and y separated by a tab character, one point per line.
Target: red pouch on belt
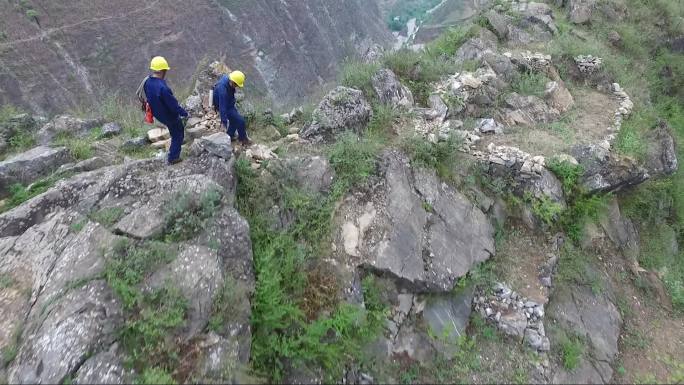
149	118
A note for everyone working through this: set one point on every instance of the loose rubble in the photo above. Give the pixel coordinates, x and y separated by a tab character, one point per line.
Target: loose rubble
514	315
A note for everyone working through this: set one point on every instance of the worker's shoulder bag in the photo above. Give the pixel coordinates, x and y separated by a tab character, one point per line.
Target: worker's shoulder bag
144	105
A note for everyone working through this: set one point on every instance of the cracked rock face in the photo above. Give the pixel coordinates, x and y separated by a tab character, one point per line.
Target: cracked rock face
343	109
66	315
414	228
595	318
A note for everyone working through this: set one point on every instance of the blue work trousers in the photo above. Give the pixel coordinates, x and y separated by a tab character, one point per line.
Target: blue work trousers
236	123
177	131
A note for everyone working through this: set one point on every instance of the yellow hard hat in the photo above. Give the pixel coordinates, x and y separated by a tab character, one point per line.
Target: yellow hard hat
159	64
238	78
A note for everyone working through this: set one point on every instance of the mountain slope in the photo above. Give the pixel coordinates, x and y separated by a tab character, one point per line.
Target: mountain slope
56	55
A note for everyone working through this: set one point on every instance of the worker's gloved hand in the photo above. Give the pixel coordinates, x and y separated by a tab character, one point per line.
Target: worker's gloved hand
184	120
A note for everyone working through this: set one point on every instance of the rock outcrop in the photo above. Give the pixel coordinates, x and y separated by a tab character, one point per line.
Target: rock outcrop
390	91
661	156
342	110
605	171
66	125
413	228
30	166
56	249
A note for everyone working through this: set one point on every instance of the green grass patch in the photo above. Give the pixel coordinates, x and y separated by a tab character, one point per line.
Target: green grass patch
6	281
530	83
568	173
154	376
79	148
574	268
108	216
20	194
441	156
572	349
130	263
450	41
148	333
353	159
582	210
359	75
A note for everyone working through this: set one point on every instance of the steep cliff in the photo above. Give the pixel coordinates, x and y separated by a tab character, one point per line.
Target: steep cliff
58	54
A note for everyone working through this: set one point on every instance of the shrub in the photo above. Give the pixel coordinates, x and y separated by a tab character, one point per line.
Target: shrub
147	334
572	350
582	210
129	265
383	120
186	214
154	376
530	83
567	172
450	41
353	159
441	156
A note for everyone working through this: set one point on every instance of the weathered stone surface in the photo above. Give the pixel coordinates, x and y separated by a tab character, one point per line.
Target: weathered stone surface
395	235
605	171
502	66
111	129
500	23
438	109
557	96
594	317
661	157
217	145
580	11
83	166
80	322
621	231
490	126
448	315
389	89
158	134
71	329
66	125
528	110
106	367
474	48
30	166
343	109
135	144
312	173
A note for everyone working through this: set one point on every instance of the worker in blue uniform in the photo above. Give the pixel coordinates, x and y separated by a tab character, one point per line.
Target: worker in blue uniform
165	107
224	104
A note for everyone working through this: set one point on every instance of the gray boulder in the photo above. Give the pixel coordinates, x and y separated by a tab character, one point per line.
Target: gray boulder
605	171
134	144
580	11
217	145
15	124
312	173
342	110
66	125
413	228
111	129
621	231
447	316
528	110
106	367
30	166
502	66
500	23
389	89
77	324
475	47
558	97
661	156
83	166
